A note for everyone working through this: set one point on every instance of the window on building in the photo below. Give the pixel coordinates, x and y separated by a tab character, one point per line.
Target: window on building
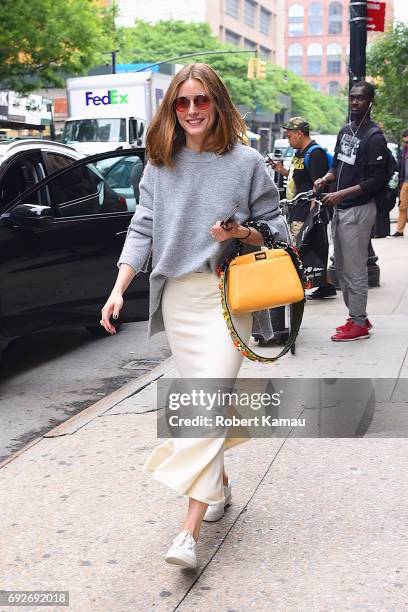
314	58
249	12
264	22
296	16
249	44
333	58
315	85
335	18
231	8
265	53
295	58
334	88
232	38
315	19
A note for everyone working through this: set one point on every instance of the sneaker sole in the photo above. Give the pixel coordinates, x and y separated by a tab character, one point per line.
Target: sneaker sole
316	299
370	329
350	339
181	561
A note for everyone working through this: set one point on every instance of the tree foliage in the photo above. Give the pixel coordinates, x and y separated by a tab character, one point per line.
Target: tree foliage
387	63
42	39
168	39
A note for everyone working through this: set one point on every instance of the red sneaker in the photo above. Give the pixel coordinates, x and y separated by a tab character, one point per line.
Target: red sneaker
353	332
347	325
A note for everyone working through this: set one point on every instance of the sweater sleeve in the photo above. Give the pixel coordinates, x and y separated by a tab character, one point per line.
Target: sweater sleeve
138	244
264	202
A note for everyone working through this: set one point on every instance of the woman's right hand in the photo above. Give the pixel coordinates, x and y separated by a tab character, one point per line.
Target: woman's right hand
112	308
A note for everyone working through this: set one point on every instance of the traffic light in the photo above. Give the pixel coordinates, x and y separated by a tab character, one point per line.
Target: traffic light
252	65
261	69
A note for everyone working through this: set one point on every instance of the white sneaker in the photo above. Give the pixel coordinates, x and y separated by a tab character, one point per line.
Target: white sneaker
216	511
183	551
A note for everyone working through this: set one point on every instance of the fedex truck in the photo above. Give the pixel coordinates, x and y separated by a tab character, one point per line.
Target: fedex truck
112	111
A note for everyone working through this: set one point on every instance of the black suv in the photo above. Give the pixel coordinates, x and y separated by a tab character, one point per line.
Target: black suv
60	241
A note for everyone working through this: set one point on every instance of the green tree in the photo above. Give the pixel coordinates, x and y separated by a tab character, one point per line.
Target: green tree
40	40
387	63
167	39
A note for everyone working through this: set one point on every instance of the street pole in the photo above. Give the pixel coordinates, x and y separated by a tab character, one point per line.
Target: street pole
358	41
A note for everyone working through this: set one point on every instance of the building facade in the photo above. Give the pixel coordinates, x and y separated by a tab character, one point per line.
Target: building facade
317	39
246	23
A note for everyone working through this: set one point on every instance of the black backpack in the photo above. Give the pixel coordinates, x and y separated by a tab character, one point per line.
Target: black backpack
386	197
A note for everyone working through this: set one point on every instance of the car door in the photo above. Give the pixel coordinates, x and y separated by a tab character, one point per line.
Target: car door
59	244
18	174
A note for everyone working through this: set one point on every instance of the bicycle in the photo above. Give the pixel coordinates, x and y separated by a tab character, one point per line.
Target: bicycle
312	240
287	206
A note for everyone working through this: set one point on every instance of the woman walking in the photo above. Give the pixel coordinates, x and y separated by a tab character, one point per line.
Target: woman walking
199	169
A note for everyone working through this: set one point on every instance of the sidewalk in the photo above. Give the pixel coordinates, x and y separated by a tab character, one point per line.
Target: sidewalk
316	525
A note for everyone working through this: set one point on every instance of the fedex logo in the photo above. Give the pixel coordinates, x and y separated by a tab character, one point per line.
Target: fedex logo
112	97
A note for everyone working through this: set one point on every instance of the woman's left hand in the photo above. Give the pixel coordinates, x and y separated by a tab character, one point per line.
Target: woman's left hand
225	232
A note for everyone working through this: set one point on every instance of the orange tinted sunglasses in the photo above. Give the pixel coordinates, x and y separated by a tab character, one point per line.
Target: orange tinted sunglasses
182	103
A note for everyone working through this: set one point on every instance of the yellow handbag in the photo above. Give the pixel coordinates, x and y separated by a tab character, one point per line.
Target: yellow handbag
262	280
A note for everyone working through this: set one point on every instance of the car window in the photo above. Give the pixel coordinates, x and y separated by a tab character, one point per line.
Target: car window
82	188
76	192
22	174
80	191
56	161
123	175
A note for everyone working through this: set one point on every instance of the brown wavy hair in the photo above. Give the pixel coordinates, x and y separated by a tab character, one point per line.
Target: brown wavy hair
165	135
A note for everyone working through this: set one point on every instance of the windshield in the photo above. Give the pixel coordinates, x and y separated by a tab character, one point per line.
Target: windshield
94	130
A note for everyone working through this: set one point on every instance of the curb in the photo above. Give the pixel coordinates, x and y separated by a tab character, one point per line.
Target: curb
87	415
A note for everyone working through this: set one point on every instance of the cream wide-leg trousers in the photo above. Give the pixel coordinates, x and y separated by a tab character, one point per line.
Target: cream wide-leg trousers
202	348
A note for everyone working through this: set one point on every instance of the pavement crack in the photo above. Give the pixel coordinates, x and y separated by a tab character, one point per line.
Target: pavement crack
399	301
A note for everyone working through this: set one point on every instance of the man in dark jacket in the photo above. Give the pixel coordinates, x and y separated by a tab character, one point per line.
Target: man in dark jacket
403	181
359	171
308	164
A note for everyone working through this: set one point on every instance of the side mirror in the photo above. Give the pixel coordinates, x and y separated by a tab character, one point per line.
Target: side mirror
28	215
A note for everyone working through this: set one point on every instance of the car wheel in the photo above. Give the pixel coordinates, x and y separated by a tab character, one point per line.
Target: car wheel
97	331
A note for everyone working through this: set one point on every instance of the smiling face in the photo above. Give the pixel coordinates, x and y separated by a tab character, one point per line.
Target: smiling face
196	121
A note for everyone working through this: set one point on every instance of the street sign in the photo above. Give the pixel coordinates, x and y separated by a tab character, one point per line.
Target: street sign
375	16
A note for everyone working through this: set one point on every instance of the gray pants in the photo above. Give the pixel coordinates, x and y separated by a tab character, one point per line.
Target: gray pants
351	230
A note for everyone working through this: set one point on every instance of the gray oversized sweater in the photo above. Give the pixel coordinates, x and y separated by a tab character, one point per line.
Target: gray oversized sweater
178	207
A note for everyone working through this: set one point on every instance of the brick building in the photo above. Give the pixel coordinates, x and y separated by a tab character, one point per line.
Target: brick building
317	41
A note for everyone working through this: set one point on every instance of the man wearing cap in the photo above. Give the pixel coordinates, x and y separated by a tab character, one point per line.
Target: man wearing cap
301	177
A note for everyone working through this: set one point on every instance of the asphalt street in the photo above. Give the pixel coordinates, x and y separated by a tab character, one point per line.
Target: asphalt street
47	377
